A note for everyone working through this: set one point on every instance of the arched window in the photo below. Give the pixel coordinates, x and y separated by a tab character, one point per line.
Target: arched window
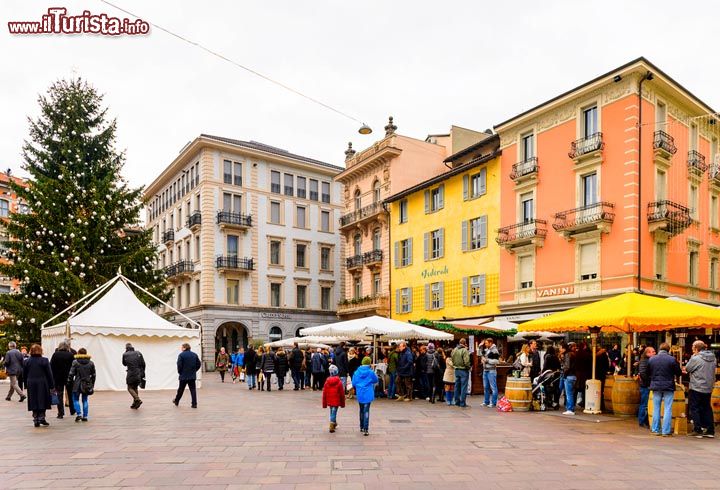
4	208
358	203
275	334
376	192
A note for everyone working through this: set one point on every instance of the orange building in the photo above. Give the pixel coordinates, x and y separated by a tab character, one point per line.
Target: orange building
581	218
9	202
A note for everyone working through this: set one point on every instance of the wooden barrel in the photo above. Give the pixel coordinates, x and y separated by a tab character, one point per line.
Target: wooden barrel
715	399
607	393
519	393
678	409
625	396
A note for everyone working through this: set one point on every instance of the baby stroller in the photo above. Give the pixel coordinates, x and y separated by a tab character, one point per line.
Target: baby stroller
543	388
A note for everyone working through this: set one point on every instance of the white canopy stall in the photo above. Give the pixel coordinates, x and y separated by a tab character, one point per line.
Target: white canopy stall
116	318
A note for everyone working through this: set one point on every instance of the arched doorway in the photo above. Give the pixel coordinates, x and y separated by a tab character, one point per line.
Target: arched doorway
275	334
230	335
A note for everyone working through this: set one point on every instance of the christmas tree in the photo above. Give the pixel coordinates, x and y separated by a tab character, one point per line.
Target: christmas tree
83	220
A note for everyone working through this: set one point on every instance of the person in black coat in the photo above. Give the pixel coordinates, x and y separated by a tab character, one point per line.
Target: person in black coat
82	376
296	359
188	364
249	364
341	361
281	367
535	358
39	381
267	366
135	363
60	364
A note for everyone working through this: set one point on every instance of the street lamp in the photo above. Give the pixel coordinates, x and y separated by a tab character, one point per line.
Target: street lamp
365	129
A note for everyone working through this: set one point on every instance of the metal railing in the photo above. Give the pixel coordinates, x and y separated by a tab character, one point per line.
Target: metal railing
313	195
168	236
677	216
588	144
696	161
522	231
354	261
527	167
181	267
234	262
288	190
663	141
238	219
362	213
584	215
373	256
194	219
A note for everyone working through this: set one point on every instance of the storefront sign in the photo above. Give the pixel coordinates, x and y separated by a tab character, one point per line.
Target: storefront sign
559	291
434	272
280	316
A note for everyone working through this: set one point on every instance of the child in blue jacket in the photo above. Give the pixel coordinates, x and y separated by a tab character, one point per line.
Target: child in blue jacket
364	381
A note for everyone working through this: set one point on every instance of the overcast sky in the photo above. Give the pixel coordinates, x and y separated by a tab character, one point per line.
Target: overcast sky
429	64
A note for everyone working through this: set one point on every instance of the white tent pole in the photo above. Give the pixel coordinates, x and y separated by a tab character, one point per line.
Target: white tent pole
80	300
126	280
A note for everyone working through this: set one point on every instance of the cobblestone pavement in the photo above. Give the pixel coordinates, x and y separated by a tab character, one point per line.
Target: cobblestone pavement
248	439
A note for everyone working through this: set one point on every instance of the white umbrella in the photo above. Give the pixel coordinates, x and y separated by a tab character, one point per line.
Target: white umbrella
376	327
311	341
502	325
545	336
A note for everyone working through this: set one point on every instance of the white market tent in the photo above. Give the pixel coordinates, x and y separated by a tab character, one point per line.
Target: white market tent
305	342
376	328
116	318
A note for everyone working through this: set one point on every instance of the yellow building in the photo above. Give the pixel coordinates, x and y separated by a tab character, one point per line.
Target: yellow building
444	263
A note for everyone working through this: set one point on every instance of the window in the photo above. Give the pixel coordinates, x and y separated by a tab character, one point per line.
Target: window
275	334
403	211
527	207
590	121
693	137
434	296
660	254
694	201
232	245
275	252
474	290
301	296
187	294
300	217
233	291
300	250
357	200
324	220
376	191
660	185
232	203
313	190
275	212
376	245
434	244
527	147
474	233
478	184
357	244
301	183
325	295
289	184
403	300
179	216
197	291
197	247
4	289
589	189
326	192
376	284
713	273
694	265
325	258
714	211
275	182
275	294
403	253
588	261
434	199
237	173
232	172
525	266
660	116
357	287
197	202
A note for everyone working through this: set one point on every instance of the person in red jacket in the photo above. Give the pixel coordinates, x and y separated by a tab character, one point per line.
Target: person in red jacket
333	396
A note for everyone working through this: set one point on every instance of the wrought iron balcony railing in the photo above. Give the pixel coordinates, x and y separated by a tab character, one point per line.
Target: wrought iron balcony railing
288	190
525	231
234	262
669	216
361	214
354	262
168	236
665	142
585	216
588	144
524	168
696	161
234	219
372	257
181	267
194	219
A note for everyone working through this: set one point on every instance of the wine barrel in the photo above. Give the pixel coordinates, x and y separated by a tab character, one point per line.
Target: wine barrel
625	396
715	399
607	393
678	409
518	391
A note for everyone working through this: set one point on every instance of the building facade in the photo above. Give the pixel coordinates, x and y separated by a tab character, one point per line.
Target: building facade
9	203
610	187
247	235
445	264
390	165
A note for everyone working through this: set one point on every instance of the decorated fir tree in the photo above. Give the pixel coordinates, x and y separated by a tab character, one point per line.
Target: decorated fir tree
83	220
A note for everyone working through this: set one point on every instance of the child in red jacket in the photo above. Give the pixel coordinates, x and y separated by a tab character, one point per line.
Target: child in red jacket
333	396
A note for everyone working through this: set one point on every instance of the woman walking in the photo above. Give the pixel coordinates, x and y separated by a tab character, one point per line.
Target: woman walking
267	363
281	367
364	382
82	377
39	381
449	378
258	367
222	362
353	365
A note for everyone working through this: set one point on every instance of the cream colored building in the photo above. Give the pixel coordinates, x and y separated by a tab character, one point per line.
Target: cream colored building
248	237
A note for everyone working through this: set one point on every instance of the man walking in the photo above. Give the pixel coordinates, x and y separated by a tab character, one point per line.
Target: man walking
461	361
405	372
490	359
296	361
135	363
643	374
662	369
60	364
701	368
188	364
14	367
341	361
569	369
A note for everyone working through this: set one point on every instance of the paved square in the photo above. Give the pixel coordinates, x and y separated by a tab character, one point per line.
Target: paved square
249	439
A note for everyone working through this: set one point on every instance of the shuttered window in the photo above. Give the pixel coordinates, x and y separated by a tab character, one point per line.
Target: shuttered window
434	296
403	253
434	244
588	261
525	266
435	199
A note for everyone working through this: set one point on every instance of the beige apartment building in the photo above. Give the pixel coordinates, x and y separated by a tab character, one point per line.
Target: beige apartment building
247	235
389	166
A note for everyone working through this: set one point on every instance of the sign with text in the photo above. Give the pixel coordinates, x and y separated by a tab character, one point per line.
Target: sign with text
557	291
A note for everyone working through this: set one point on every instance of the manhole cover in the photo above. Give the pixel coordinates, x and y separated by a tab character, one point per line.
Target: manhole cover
399	421
355	464
494	445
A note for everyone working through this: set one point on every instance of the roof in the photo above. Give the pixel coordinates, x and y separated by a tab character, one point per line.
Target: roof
641	59
442	177
472	148
255	145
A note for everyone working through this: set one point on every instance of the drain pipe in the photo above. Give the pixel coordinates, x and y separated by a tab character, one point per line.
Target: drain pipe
648	76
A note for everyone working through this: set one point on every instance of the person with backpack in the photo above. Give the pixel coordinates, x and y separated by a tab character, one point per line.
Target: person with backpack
60	363
135	363
267	366
364	382
461	362
333	396
431	365
281	367
82	377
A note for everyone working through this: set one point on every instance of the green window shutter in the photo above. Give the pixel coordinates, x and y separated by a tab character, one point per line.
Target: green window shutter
442	294
427	202
483	231
426	245
483	181
464	240
398	306
442	242
466	186
482	289
441	196
397	254
465	291
428	303
410	252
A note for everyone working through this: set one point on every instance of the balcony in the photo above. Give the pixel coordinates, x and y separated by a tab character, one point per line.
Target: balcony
168	237
180	270
696	162
592	217
361	215
373	258
289	190
715	174
664	145
669	217
586	147
233	263
531	232
354	263
376	305
525	170
235	221
193	221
